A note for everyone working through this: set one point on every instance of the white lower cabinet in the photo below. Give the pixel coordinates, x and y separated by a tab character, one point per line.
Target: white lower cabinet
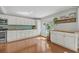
33	33
22	34
71	42
28	33
54	37
25	34
18	35
58	38
68	40
11	36
14	35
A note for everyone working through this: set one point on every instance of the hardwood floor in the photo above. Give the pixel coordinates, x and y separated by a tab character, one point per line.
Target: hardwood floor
33	45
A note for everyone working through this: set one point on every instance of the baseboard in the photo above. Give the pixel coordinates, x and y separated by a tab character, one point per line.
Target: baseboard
24	39
27	38
43	36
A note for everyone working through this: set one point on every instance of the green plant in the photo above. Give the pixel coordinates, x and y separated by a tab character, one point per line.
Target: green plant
49	26
55	19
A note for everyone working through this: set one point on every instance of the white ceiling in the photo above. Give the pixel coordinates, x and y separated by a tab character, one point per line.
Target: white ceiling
32	11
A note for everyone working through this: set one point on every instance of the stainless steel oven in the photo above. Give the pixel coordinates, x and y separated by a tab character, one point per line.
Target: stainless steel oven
3	36
3	30
3	21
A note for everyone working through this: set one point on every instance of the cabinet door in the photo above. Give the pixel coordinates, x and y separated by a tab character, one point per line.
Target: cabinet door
53	37
30	33
71	42
18	35
32	22
22	21
60	38
21	34
29	22
26	34
11	36
35	33
18	21
12	20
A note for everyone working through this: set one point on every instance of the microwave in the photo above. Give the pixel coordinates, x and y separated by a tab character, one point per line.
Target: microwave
3	21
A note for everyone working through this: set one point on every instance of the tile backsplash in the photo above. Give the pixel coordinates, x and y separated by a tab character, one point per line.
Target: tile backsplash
21	27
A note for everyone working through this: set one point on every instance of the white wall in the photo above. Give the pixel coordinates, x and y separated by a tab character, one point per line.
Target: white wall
78	25
43	28
78	17
66	26
38	26
63	26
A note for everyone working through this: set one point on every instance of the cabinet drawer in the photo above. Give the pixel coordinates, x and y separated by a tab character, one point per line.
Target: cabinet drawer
69	34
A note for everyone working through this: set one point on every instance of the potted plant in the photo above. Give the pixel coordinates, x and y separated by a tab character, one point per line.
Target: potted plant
49	27
55	20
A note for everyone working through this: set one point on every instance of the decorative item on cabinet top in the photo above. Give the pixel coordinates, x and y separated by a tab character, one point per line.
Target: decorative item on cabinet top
71	17
70	20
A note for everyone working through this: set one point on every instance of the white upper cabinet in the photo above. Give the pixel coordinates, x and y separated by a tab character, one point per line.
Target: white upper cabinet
3	16
29	22
20	21
15	20
11	20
